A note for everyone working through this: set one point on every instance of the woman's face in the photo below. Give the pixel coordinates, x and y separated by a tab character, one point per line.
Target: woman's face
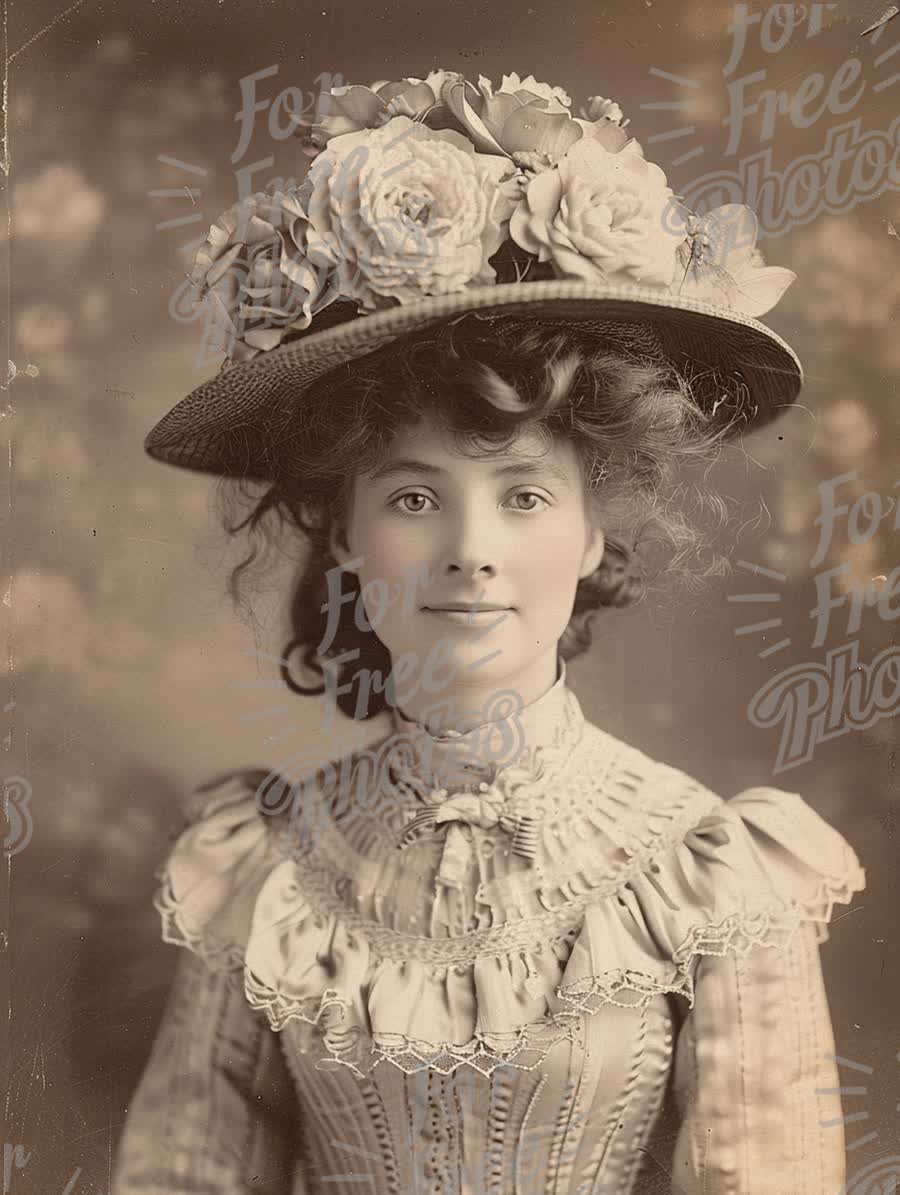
431	528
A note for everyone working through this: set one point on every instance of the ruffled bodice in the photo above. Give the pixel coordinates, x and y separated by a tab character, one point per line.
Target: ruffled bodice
514	943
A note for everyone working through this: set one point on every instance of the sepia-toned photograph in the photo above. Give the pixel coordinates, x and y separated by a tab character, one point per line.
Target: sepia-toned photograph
451	589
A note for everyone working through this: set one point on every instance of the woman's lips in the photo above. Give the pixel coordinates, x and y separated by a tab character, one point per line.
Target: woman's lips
472	618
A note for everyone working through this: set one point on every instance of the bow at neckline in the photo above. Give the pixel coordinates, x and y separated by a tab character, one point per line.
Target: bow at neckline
466	778
484	808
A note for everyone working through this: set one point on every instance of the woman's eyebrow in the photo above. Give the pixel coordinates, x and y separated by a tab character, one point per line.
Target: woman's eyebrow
526	468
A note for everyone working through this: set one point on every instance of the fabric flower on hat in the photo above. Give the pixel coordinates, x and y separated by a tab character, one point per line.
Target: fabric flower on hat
523	119
718	261
526	120
426	187
601	112
407	211
256	272
512	84
599	108
350	109
599	215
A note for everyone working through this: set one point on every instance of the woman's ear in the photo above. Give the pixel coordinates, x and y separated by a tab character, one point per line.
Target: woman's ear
593	554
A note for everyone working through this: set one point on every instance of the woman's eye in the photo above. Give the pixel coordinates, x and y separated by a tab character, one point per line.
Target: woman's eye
412	496
394	504
530	494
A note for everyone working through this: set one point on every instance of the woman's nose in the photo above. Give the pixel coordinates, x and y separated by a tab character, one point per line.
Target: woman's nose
470	568
471	549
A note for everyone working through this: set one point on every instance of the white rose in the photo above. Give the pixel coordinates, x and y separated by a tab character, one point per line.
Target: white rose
407	211
599	216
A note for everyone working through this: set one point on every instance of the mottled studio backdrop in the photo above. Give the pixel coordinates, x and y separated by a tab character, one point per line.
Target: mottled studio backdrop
128	674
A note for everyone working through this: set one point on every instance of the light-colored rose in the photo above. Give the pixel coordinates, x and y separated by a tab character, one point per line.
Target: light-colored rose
256	272
407	211
599	216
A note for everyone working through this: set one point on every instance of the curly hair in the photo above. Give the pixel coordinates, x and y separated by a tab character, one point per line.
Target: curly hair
630	416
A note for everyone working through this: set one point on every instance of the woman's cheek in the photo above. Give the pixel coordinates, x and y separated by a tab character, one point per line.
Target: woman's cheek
556	549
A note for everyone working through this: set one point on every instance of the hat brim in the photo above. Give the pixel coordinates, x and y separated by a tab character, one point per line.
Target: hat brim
221	426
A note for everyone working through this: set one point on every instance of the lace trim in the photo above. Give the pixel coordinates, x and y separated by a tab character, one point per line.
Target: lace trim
218	954
397	764
604	790
529	934
773	927
540	763
641	847
320	883
349	1045
525	1048
323	874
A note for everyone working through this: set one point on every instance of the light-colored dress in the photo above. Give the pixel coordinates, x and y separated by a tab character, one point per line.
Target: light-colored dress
524	959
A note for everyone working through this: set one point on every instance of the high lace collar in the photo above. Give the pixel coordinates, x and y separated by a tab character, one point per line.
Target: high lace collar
513	736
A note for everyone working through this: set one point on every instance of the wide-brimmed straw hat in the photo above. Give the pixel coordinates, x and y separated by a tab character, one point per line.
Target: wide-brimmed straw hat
429	199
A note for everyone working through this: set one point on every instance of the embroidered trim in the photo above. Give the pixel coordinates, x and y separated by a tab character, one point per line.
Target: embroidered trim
320	883
348	1044
218	955
641	816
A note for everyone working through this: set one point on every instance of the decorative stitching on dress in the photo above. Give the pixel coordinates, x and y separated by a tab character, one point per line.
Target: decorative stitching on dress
176	1003
251	1130
689	1031
813	977
741	931
314	1109
641	825
737	934
379	1121
798	1122
433	1104
221	992
319	884
302	1148
522	1135
536	769
801	970
655	1096
637	1060
608	1137
501	1095
633	815
461	1158
559	1162
739	967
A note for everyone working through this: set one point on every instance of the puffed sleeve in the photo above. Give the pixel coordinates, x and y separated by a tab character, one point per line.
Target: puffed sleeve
215	1112
756	1090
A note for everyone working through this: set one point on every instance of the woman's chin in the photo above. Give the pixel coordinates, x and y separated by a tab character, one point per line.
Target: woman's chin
480	667
457	661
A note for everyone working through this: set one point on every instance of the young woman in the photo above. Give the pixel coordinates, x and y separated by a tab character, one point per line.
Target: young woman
498	949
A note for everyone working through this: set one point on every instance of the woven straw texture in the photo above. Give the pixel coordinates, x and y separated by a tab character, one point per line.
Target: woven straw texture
226	425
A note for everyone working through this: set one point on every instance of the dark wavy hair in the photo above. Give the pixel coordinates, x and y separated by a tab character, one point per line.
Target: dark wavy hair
630	416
